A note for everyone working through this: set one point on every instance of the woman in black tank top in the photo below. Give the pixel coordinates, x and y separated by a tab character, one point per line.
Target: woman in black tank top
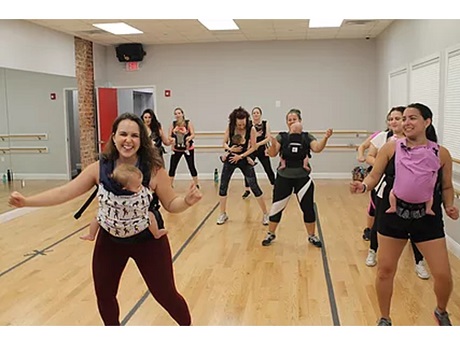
188	151
263	137
154	130
239	124
426	231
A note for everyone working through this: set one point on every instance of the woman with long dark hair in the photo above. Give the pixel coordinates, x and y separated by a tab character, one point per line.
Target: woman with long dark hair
124	235
154	130
419	154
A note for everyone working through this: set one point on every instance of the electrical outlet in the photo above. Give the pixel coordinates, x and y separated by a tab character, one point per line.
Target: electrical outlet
2	159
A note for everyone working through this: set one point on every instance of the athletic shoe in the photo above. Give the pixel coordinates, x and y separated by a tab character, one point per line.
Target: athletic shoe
265	219
421	271
246	194
442	318
268	239
313	239
371	259
222	218
367	234
384	322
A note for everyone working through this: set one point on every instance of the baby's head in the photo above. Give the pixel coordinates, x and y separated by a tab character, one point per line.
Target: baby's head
180	122
237	139
296	127
129	177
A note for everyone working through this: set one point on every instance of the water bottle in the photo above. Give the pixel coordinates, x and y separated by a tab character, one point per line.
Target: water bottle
216	176
9	175
4	178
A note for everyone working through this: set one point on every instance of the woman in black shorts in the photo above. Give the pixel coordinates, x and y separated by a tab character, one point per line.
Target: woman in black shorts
410	221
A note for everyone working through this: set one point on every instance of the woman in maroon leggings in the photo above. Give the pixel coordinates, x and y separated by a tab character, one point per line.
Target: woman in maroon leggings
123	219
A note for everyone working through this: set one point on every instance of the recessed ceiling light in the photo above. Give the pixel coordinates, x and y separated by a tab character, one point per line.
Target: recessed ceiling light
219	24
325	23
118	28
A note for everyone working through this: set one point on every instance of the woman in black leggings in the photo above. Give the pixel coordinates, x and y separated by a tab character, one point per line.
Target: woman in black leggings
294	178
263	137
239	124
177	152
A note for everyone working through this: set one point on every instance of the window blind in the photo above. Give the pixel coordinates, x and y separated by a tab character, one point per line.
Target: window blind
424	85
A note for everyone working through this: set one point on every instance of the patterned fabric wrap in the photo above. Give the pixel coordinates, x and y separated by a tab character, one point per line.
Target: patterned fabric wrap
124	215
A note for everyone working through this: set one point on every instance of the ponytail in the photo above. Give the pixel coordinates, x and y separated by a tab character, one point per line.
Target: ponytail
431	133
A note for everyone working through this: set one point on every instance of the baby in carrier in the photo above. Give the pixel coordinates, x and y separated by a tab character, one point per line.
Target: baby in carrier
295	136
180	132
130	178
416	171
237	139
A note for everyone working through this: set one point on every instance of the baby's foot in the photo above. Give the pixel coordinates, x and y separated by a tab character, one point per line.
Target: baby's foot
391	210
87	237
430	212
160	233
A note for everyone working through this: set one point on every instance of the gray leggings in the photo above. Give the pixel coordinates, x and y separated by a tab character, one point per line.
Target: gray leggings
248	172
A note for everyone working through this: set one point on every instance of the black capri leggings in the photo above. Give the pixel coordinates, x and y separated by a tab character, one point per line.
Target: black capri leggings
189	158
248	172
303	187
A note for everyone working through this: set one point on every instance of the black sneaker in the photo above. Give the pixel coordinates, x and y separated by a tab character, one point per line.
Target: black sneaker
367	234
313	239
269	239
246	194
442	318
384	322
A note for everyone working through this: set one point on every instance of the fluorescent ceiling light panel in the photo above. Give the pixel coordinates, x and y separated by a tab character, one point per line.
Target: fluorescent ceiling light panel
118	28
325	23
219	24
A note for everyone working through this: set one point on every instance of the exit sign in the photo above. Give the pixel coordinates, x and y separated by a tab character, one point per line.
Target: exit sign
132	66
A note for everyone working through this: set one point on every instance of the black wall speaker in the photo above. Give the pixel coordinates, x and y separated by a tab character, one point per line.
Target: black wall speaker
130	52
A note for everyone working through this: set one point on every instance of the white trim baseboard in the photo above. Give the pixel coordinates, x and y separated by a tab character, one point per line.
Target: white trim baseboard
18	212
452	246
26	176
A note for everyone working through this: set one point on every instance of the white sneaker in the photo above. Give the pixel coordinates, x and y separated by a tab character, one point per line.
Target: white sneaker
421	271
265	219
371	259
222	218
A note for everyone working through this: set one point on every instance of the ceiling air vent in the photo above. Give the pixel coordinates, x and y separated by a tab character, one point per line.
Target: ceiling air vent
92	32
359	22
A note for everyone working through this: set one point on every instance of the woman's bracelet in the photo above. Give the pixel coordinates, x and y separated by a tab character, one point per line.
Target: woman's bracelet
364	188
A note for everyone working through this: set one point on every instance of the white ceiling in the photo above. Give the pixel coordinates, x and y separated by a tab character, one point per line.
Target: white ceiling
173	31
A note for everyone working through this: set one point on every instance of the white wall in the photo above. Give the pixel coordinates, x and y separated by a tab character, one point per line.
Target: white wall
34	62
406	41
30	47
100	67
333	82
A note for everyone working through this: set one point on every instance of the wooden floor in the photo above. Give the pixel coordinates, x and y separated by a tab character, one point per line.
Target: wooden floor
223	272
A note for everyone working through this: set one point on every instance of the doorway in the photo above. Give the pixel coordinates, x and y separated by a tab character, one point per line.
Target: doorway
73	130
114	101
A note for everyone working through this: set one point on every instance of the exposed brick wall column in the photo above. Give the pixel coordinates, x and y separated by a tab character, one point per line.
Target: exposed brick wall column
86	100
